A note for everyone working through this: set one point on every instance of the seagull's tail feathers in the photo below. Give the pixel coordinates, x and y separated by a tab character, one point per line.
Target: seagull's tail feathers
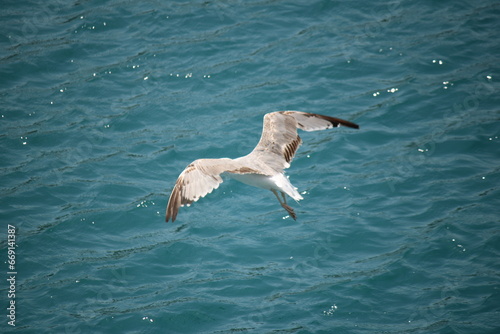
283	184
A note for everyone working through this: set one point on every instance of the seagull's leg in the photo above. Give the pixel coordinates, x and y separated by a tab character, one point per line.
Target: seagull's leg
285	206
284	197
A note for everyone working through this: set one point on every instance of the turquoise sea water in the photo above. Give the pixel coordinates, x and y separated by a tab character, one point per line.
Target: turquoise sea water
103	103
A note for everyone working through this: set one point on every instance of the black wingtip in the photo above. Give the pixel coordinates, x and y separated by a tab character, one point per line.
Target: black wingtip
347	123
351	125
337	121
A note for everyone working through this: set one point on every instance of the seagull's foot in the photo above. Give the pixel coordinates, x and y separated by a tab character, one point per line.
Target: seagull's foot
289	210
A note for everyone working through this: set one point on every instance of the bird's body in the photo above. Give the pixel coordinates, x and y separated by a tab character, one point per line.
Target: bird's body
278	182
262	168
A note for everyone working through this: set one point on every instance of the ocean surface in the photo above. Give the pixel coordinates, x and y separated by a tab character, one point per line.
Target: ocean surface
104	103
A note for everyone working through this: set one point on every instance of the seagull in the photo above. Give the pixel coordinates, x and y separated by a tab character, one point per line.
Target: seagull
262	168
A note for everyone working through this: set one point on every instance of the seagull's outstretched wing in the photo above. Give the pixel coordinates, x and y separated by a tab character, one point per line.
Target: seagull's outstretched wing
280	141
198	179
